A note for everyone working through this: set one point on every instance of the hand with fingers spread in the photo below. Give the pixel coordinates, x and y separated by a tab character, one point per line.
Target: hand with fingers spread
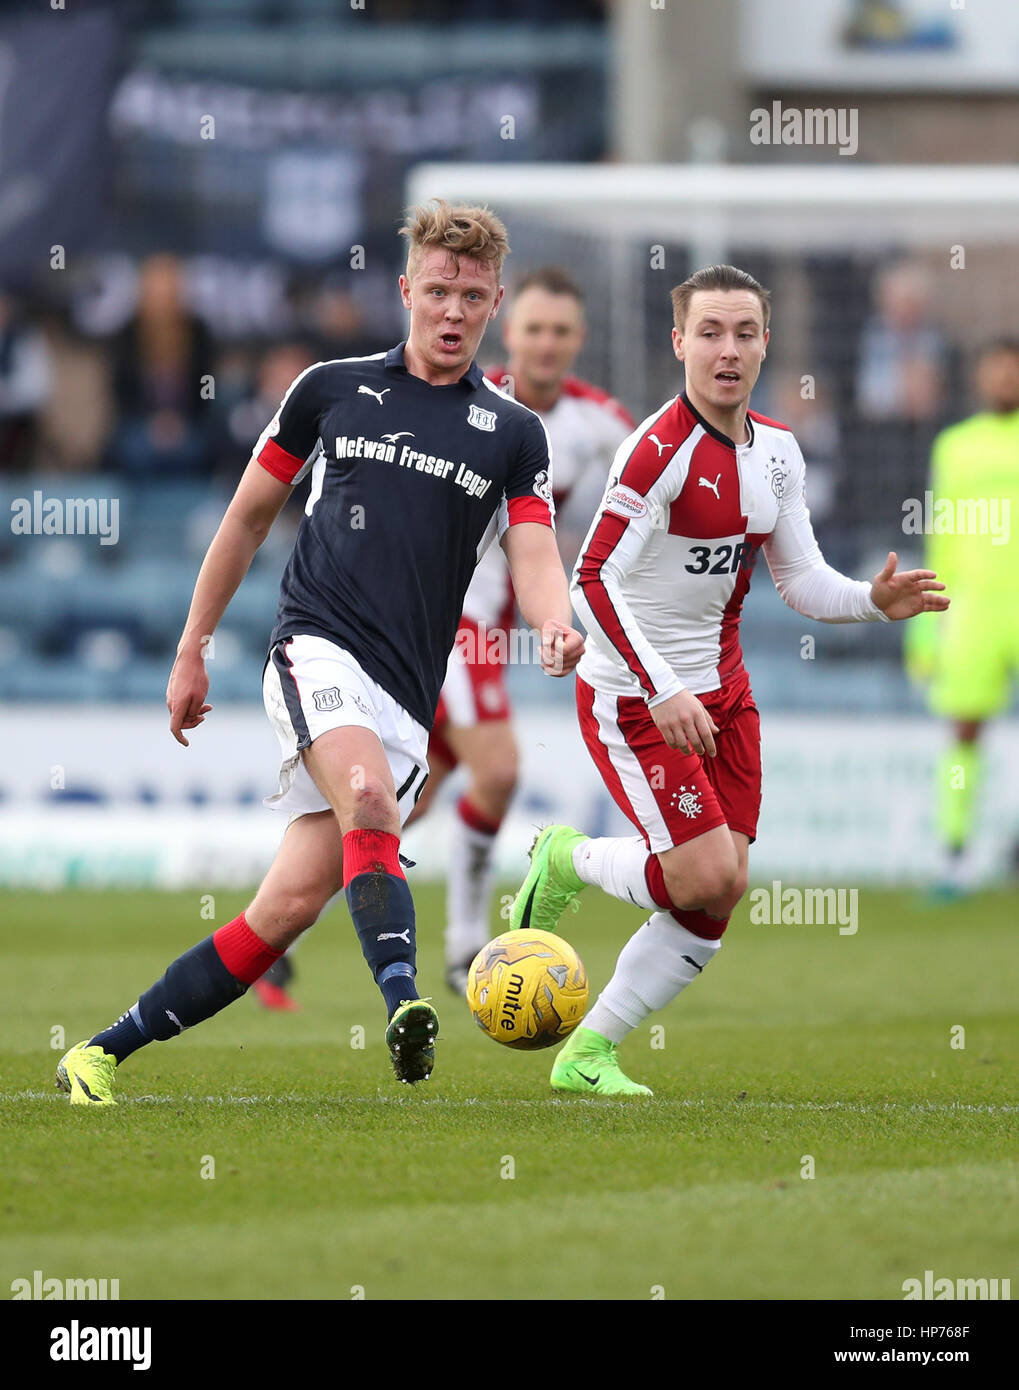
185	694
685	724
904	595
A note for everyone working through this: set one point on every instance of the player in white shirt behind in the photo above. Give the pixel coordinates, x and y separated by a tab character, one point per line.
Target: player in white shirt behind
666	710
544	331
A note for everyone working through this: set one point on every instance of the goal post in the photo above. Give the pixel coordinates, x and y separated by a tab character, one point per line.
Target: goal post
819	236
803	205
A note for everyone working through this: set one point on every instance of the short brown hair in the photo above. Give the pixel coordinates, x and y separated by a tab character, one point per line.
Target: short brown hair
553	280
474	232
999	346
717	277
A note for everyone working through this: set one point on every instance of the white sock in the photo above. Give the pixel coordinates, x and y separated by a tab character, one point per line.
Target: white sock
960	870
617	866
658	961
468	890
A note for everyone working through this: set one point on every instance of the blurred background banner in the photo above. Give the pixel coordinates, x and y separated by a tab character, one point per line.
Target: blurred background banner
908	45
56	80
199	201
131	808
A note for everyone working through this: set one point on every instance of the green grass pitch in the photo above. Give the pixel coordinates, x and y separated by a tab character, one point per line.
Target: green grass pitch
330	1179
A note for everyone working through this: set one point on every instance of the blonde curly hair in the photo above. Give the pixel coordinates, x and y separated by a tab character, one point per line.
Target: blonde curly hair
474	232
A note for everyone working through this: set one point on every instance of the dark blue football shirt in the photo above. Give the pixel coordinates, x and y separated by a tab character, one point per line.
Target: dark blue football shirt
409	482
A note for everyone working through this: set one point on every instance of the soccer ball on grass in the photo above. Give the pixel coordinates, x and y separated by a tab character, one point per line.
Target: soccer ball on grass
527	989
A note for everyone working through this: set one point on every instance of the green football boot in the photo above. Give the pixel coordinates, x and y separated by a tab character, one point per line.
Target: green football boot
410	1038
552	882
587	1066
87	1074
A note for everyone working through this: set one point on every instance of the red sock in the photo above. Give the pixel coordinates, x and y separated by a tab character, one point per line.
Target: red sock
655	880
472	817
700	923
370	851
244	954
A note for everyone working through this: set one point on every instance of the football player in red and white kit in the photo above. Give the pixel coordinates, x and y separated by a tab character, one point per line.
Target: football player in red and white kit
544	332
695	493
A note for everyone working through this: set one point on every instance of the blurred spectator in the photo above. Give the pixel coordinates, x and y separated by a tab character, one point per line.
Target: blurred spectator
249	417
330	316
814	423
901	373
160	359
901	390
26	376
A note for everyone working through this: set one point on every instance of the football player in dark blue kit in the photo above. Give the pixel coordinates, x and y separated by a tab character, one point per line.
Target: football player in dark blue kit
417	463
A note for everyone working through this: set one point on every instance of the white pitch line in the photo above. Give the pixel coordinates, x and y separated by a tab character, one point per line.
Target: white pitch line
698	1103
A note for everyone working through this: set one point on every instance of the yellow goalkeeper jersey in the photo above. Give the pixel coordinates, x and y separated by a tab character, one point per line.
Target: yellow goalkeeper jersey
975	469
969	513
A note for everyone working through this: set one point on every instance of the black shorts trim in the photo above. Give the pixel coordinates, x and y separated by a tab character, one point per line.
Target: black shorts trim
409	783
291	694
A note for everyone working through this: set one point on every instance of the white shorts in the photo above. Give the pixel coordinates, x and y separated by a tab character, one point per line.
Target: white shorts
311	685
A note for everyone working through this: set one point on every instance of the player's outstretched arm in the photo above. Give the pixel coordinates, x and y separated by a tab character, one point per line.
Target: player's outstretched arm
539	582
248	520
802	577
904	595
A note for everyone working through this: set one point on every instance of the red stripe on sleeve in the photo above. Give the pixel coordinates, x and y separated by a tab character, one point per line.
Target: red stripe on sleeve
528	509
610	532
648	460
279	463
645	464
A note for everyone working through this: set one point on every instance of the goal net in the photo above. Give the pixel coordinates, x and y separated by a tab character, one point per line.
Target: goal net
883	280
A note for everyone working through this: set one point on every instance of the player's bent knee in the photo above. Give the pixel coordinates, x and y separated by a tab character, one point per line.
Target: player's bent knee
720	886
709	881
725	904
694	887
373	805
498	783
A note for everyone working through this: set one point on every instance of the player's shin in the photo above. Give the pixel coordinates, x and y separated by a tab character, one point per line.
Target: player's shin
197	985
622	867
959	774
382	910
472	844
657	963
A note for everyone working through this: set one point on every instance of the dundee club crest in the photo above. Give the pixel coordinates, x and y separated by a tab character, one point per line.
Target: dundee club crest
481	419
328	700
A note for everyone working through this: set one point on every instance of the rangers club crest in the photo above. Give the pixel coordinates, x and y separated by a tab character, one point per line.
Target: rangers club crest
328	700
688	802
481	419
778	474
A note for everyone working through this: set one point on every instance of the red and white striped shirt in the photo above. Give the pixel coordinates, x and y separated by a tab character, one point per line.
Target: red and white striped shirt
662	575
